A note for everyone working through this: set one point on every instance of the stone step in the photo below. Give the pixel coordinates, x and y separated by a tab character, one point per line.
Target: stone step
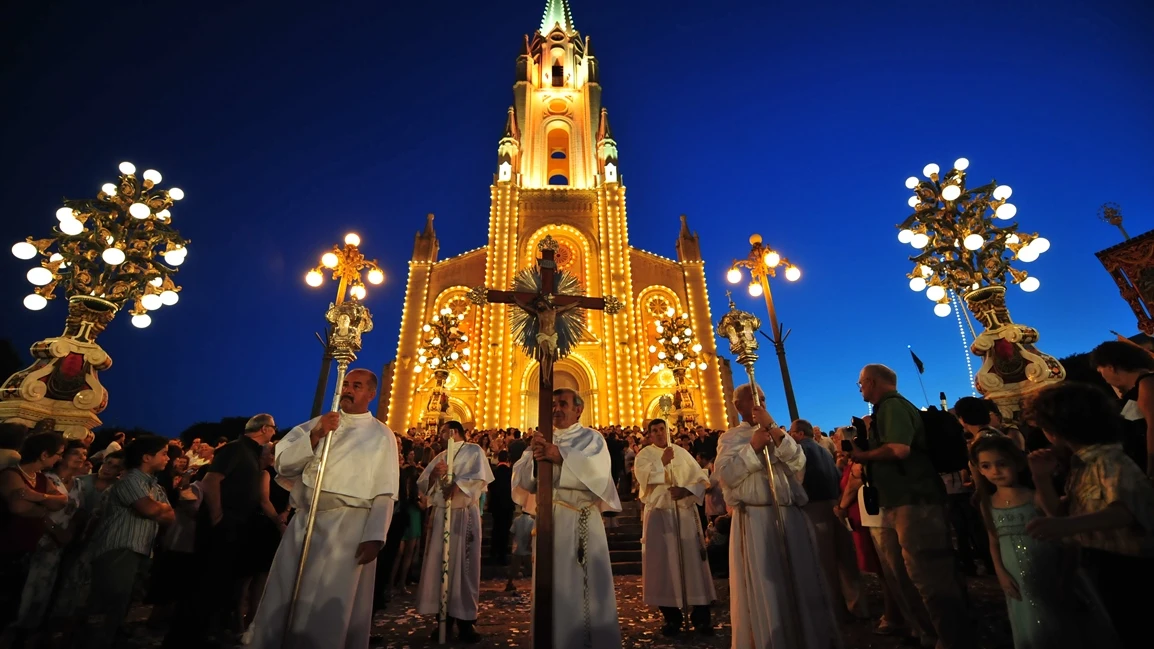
627	568
616	556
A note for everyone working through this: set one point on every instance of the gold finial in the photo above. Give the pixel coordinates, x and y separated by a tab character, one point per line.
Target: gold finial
549	243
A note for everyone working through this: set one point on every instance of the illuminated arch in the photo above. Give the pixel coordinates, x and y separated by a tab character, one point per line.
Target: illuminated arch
584	269
558	144
460	411
586	378
645	319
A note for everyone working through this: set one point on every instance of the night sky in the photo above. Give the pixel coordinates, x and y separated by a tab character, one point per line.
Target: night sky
288	124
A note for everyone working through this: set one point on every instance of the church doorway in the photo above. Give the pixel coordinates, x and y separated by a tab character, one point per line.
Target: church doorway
564	376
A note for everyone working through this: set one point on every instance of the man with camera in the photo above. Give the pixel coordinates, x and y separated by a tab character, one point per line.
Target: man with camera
915	537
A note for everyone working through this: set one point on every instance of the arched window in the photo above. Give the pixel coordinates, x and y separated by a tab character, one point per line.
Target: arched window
557	143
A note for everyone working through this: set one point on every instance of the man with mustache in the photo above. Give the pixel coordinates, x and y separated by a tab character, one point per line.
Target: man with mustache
584	602
359	487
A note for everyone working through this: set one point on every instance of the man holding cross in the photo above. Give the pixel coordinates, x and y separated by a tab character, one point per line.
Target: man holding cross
584	601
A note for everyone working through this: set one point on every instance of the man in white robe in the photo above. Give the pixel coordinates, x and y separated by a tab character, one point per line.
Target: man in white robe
584	600
470	478
671	485
358	490
767	611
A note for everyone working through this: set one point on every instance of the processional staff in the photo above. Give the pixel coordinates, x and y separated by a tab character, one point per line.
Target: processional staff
739	327
349	319
446	490
671	478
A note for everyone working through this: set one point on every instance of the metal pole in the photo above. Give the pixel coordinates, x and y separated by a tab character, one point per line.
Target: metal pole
779	345
342	367
443	613
792	617
322	383
672	480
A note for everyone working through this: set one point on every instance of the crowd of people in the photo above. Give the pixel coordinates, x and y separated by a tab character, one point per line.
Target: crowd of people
1058	506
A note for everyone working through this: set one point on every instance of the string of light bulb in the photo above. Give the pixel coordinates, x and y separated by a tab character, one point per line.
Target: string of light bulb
444	345
346	265
962	248
111	248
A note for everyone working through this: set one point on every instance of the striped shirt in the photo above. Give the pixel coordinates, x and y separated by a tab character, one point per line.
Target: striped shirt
121	527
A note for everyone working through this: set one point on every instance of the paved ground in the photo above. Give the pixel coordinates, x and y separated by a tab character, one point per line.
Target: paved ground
504	620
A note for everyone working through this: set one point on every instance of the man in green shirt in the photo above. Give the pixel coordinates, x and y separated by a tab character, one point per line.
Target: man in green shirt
915	538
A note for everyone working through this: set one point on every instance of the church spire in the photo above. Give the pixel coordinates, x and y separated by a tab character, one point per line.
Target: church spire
557	12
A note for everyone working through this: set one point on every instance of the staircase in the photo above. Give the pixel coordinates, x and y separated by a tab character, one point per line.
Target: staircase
624	542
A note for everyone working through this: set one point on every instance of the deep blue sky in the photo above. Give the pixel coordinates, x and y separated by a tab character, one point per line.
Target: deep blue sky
288	124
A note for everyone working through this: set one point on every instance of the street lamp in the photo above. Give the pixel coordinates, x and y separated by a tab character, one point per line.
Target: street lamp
679	352
346	265
963	250
116	250
444	351
763	263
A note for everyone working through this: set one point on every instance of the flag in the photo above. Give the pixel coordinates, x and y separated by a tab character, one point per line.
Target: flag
918	362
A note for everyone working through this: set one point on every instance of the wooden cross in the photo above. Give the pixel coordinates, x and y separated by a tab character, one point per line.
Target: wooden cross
545	305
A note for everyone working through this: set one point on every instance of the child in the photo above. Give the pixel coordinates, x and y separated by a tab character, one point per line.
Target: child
717	546
522	530
1048	606
1108	509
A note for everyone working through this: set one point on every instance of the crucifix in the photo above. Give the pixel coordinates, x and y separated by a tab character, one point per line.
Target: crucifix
545	334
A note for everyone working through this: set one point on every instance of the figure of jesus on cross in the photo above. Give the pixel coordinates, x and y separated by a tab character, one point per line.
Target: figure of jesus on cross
547	325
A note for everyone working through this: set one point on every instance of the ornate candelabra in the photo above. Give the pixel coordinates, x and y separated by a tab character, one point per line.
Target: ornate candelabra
679	352
962	249
444	350
348	319
763	263
105	253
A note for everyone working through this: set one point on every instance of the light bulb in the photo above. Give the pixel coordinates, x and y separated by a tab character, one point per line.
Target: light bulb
734	276
1006	211
71	227
772	259
688	332
669	312
127	168
920	241
1027	254
169	298
1013	238
696	348
454	356
941	310
164	214
961	164
925	271
679	357
176	193
139	211
151	301
912	182
173	258
653	349
793	273
465	366
974	242
917	284
930	169
109	189
905	236
65	213
24	250
113	256
659	328
675	340
357	292
1002	192
435	341
661	355
426	328
141	321
423	359
418	369
314	278
376	276
1030	284
435	362
329	260
152	175
40	276
702	365
1041	244
914	201
935	293
951	192
353	239
57	257
35	302
755	289
156	281
465	351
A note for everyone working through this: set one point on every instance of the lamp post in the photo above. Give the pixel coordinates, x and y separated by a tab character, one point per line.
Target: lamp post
762	264
346	265
679	352
444	350
116	250
962	249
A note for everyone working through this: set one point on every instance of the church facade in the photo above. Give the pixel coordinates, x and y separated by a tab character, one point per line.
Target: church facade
556	175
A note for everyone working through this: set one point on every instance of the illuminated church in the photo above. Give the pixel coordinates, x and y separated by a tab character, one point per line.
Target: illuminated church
557	174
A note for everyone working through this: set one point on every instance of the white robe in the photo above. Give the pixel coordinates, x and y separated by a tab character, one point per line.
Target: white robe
335	608
472	475
668	523
760	594
584	600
